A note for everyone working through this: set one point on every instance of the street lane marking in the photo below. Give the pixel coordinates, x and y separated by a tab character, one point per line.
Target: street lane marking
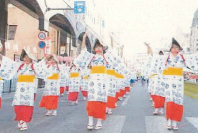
156	124
193	121
125	101
113	124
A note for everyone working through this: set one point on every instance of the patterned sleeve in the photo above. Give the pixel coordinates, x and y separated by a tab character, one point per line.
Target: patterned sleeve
83	59
8	68
157	64
191	61
113	60
42	70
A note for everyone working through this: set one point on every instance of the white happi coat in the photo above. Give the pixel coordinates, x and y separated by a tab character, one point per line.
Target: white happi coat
63	75
74	81
24	94
7	71
157	80
67	75
52	86
114	62
97	90
146	67
26	88
85	81
174	91
127	79
97	86
111	81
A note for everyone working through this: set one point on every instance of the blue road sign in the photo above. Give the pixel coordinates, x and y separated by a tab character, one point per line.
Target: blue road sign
41	44
79	7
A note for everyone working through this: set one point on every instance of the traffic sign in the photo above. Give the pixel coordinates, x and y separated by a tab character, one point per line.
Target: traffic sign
79	7
42	36
41	44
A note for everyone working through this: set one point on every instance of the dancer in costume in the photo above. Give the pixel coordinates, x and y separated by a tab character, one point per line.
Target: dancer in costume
97	92
52	86
74	84
26	85
174	82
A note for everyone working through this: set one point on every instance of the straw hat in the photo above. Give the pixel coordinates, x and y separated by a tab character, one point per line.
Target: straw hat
24	53
175	42
53	56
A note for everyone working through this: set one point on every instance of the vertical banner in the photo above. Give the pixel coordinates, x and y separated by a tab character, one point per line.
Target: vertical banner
48	45
7	45
15	48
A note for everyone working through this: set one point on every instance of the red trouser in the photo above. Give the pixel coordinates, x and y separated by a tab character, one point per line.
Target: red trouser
49	102
96	109
158	101
73	96
23	113
174	111
111	101
62	89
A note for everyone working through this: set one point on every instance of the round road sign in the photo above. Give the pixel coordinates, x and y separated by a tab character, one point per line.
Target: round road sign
41	44
42	36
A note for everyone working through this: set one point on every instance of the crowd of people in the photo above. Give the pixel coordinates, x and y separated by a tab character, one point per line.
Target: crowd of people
102	77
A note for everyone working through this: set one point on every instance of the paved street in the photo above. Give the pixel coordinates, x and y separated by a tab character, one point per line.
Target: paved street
133	115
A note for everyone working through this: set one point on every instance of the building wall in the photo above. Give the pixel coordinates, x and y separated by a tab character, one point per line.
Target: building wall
194	34
26	32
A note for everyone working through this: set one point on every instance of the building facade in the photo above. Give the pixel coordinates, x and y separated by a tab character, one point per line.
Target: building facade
194	34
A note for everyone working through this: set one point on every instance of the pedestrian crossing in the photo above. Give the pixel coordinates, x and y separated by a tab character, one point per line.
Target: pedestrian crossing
193	121
113	124
156	124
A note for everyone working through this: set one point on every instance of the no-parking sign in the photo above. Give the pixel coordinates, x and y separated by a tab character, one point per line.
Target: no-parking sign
41	44
42	36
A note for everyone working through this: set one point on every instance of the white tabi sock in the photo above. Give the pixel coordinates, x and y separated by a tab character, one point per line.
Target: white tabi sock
99	122
156	110
169	122
161	110
90	123
174	123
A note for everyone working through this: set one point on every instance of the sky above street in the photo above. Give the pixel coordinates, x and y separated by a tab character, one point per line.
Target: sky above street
152	21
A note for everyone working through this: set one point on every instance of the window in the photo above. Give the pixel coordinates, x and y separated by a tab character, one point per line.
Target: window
12	32
197	39
197	44
197	49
